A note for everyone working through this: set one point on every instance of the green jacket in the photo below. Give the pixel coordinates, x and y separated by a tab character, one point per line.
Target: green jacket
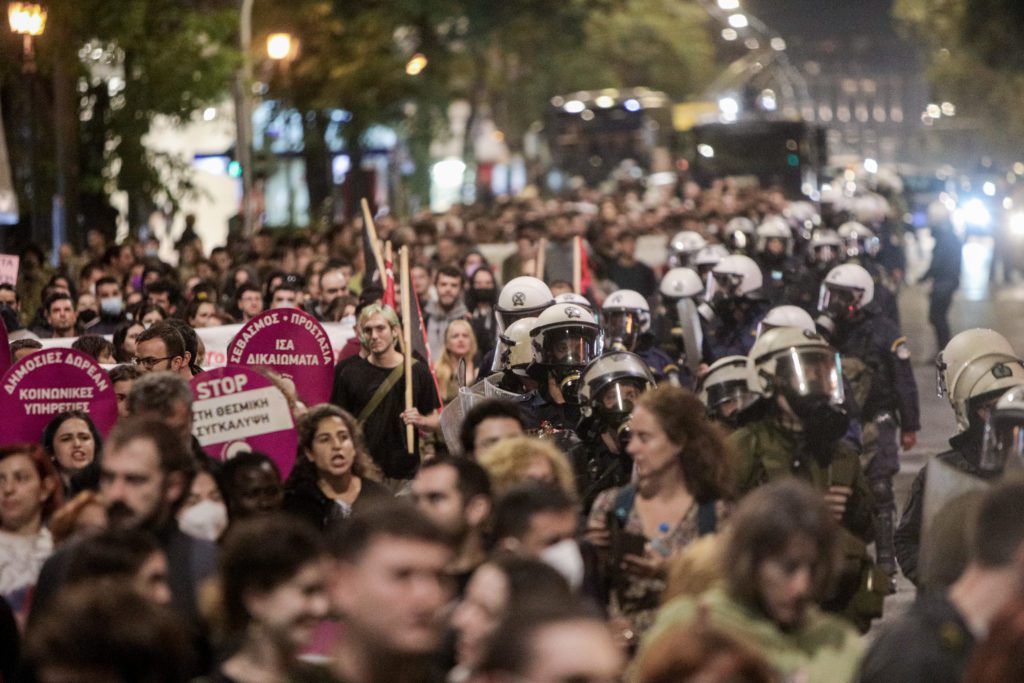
823	649
764	451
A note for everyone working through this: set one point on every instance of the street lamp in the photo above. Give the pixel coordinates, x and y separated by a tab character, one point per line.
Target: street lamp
416	64
28	20
281	46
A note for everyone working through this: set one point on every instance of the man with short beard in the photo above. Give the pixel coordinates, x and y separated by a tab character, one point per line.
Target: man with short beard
449	306
455	493
145	476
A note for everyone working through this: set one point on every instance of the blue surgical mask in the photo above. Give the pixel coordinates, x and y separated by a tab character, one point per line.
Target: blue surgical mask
112	306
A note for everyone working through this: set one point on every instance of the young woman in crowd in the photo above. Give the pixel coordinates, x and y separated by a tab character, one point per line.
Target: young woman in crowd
481	298
148	314
204	514
459	345
680	494
30	492
74	445
124	340
201	313
333	472
272	595
781	553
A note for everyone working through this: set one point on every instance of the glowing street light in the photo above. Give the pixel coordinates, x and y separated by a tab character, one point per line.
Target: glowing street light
416	64
26	18
738	21
280	46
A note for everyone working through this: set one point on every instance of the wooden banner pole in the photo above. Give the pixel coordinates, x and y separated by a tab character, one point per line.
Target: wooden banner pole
403	256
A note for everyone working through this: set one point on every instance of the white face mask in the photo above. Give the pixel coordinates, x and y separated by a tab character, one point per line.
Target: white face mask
206	520
348	320
565	558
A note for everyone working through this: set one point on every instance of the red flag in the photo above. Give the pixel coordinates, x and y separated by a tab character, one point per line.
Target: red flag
389	286
584	267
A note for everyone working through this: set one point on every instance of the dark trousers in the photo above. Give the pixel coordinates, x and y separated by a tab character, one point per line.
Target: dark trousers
939	301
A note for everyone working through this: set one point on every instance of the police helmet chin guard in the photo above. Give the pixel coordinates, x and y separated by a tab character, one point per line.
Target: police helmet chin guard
521	297
1003	440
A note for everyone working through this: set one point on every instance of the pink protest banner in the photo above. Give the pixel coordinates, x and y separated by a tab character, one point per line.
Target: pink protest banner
236	409
53	381
292	343
9	269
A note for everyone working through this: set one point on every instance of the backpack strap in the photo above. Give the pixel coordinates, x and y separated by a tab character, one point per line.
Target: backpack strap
389	382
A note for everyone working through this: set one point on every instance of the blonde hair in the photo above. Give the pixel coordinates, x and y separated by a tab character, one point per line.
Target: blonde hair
508	460
447	364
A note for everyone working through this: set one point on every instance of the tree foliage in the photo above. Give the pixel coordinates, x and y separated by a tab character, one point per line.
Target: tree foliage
976	60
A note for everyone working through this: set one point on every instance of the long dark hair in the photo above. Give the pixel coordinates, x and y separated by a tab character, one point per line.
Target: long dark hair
704	454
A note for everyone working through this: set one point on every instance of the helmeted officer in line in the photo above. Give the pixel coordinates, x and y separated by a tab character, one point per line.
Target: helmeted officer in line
707	258
861	246
728	389
976	368
683	248
824	252
521	297
735	306
627	327
801	434
677	328
609	389
774	256
738	235
876	361
565	339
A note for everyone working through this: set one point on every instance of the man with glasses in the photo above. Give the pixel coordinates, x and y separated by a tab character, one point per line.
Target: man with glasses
162	348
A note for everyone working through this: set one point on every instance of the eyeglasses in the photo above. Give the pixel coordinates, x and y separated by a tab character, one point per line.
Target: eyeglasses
149	362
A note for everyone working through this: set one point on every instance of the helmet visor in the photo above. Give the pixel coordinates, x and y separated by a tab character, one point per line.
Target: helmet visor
723	286
837	302
622	327
1003	441
575	346
506	318
729	397
826	254
810	372
620	396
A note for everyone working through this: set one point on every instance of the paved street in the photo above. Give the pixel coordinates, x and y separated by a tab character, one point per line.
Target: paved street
977	305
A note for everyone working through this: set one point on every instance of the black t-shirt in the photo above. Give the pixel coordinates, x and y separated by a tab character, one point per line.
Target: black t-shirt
355	382
639	277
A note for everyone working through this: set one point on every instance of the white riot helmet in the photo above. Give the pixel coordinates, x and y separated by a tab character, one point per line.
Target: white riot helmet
565	339
847	289
1003	442
683	247
611	384
709	257
858	239
786	316
521	297
680	283
774	228
962	350
579	300
728	387
515	350
739	234
734	277
798	365
626	315
825	248
983	378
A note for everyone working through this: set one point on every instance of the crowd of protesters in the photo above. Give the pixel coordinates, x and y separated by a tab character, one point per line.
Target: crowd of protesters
656	478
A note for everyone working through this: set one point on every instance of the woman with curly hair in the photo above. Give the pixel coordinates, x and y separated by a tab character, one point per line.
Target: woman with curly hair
333	472
680	493
513	461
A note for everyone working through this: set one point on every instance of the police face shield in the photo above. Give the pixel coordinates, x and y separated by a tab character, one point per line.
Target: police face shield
725	399
722	287
506	318
814	374
838	303
1003	441
825	256
622	330
570	346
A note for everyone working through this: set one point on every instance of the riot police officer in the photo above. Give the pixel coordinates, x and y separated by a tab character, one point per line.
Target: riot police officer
774	249
609	388
801	434
627	327
728	389
823	254
707	258
861	246
521	297
975	368
683	247
735	306
876	361
677	327
738	235
565	339
786	316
